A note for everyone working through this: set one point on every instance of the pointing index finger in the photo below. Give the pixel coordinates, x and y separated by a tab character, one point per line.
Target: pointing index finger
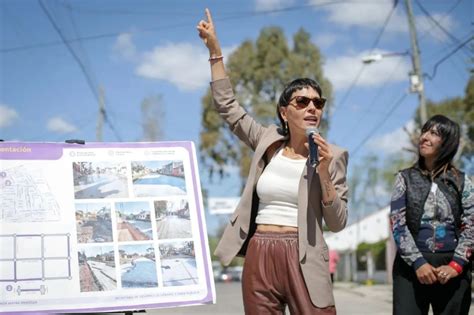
209	17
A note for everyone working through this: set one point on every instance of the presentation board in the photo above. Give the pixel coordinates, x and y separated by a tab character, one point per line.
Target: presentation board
101	227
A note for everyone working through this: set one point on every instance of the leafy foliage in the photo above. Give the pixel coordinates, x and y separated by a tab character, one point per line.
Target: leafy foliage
378	253
258	71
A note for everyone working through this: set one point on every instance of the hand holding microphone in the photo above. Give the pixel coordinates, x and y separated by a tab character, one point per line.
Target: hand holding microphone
313	146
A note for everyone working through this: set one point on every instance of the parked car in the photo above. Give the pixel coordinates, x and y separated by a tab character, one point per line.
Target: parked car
236	272
226	274
216	270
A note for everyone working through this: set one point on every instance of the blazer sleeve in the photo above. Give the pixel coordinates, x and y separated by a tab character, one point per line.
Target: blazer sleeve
243	125
335	214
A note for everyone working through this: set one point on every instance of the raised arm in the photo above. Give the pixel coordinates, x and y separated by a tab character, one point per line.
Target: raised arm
207	32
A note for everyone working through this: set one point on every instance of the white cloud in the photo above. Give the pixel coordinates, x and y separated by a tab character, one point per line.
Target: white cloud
392	142
362	13
59	125
125	47
7	115
182	64
372	15
343	70
325	40
268	5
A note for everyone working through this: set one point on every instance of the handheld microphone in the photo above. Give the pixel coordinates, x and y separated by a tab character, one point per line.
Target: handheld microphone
313	147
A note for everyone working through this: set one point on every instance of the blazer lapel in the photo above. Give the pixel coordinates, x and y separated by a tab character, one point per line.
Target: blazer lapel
306	221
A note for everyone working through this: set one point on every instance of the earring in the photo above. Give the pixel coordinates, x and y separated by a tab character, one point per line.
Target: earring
286	126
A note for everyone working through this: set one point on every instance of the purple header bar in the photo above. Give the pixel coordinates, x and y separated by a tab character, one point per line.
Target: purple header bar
54	150
30	151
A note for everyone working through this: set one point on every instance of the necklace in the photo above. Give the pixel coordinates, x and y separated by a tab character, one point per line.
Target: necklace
290	153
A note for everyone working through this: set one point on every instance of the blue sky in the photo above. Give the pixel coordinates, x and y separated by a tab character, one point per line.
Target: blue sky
141	48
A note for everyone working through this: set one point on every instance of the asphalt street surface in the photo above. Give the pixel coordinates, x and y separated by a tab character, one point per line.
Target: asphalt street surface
351	299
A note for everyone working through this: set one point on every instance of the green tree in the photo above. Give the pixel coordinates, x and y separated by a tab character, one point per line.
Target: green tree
378	254
258	71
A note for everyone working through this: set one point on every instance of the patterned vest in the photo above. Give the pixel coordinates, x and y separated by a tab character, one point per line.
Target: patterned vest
418	188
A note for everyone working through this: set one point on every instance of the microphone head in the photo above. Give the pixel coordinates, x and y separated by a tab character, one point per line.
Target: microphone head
311	130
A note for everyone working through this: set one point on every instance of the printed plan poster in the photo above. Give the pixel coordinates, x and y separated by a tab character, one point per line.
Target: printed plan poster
101	227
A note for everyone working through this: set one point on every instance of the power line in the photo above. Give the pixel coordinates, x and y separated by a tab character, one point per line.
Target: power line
78	60
441	27
444	49
384	119
439	62
68	46
235	16
377	39
378	94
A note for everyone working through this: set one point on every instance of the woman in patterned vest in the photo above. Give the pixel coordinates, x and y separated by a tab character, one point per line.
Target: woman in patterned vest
432	216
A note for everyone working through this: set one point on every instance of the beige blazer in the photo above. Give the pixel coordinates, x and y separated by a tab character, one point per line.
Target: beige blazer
313	251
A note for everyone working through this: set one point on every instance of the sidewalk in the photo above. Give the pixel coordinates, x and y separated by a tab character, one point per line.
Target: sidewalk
368	295
381	292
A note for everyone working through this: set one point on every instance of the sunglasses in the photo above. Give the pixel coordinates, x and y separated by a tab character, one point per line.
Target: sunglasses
303	102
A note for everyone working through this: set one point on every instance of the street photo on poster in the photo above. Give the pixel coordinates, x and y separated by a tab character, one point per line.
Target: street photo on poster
97	270
158	178
133	221
178	263
138	266
173	219
94	222
94	180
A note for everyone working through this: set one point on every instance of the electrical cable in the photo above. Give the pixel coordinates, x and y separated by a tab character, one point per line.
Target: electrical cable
81	65
372	131
441	27
359	73
175	26
439	62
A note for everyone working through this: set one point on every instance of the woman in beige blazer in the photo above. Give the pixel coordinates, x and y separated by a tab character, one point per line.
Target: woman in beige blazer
277	225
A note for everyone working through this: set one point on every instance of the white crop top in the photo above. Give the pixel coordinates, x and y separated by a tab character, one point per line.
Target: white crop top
277	189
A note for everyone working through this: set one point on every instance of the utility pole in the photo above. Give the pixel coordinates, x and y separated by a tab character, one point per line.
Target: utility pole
416	76
101	116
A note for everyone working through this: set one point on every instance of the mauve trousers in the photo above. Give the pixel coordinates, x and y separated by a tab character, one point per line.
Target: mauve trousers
272	277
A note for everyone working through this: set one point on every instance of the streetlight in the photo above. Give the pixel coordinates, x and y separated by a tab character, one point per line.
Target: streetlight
416	76
376	57
416	80
416	85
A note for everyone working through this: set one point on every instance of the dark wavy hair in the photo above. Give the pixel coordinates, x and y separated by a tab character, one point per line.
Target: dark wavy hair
290	88
450	135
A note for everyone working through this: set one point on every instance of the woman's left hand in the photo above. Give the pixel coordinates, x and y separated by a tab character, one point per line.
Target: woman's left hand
445	273
324	152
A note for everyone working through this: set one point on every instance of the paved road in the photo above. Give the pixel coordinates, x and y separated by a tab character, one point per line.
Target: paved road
173	227
350	300
104	274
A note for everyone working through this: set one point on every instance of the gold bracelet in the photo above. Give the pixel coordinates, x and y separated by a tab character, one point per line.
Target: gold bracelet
212	58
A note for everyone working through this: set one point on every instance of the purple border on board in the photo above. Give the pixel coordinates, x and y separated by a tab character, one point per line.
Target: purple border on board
58	147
